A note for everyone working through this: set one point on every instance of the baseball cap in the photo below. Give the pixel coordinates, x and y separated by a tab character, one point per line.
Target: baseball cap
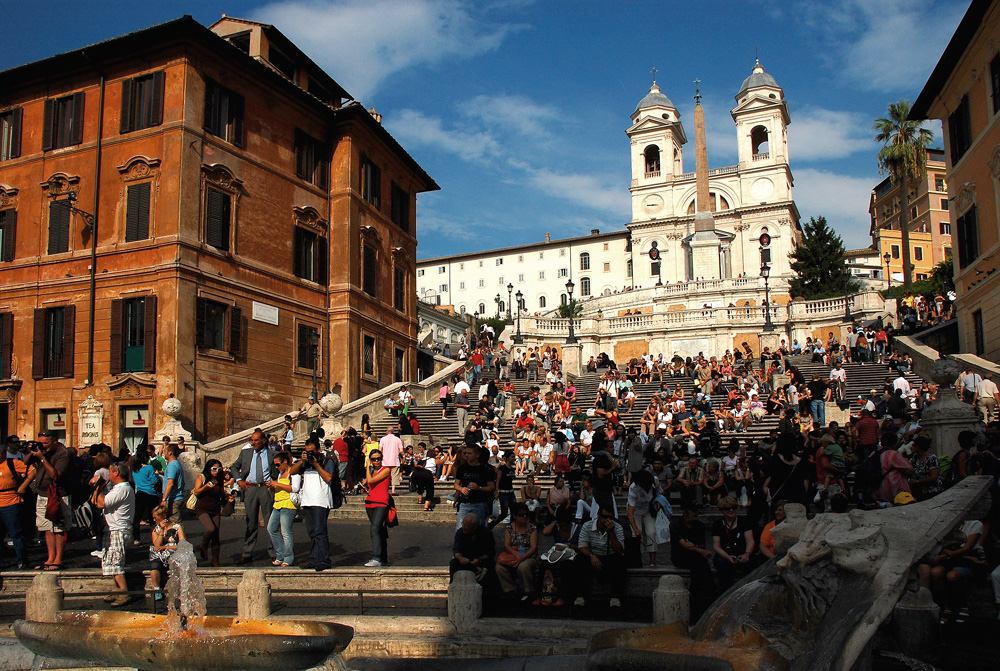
903	498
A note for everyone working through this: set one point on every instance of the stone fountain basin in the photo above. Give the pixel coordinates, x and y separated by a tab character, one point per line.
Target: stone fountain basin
149	642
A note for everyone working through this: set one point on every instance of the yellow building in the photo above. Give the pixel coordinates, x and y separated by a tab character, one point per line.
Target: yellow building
929	221
963	92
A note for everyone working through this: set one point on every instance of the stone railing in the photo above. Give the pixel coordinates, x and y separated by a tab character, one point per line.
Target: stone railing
425	392
728	170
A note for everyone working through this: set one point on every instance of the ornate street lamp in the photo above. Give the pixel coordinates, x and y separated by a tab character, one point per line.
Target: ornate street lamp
571	339
510	320
497	301
765	272
518	340
848	317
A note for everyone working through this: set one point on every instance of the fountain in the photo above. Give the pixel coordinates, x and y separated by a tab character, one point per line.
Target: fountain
186	639
817	608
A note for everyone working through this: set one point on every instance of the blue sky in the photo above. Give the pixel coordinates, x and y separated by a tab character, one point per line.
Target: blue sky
518	107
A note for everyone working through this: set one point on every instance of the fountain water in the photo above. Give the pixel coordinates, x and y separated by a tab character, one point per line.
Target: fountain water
186	639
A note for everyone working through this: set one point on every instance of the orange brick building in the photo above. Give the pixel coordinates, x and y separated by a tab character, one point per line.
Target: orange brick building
241	202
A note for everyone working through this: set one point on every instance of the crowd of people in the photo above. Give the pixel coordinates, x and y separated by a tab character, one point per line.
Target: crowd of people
683	447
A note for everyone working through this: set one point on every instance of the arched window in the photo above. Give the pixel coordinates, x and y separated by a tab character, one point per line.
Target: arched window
606	292
585	261
563	300
759	143
503	306
521	304
723	203
628	268
541	301
461	310
584	286
482	309
652	155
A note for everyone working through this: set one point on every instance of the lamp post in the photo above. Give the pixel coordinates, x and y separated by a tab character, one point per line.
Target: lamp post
887	257
510	320
497	301
475	318
518	340
765	272
571	339
314	344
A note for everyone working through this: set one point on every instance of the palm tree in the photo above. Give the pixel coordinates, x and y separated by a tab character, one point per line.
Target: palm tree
903	157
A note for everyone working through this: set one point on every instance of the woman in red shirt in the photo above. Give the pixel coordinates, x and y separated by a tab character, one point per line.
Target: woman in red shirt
377	507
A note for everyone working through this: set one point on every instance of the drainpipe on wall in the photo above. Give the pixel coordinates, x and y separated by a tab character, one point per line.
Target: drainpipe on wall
93	236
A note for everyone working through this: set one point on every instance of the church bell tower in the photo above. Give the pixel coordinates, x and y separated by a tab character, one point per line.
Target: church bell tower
657	139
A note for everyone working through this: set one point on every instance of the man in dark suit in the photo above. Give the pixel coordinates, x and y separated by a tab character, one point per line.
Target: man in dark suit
253	469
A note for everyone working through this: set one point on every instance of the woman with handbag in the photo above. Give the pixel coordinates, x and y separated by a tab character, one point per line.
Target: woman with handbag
100	483
377	506
286	502
210	495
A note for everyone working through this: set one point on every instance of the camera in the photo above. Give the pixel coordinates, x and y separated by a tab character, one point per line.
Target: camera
309	456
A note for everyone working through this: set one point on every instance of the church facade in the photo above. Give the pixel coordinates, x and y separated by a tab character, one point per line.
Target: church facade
663	244
747	201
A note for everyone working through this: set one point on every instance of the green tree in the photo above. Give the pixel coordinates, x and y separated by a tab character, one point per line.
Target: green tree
574	307
903	157
818	262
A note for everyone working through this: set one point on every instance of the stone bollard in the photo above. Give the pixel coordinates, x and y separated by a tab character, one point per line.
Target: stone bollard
915	622
465	601
671	601
253	596
44	599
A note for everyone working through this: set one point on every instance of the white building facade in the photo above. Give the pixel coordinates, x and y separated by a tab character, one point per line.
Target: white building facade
747	200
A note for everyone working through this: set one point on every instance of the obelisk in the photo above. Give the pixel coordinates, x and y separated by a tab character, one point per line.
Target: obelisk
704	245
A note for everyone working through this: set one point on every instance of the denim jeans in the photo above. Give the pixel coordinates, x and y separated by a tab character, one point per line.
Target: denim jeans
10	517
280	528
379	532
319	548
481	509
818	408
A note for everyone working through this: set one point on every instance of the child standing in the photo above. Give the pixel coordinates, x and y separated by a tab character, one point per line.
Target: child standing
166	534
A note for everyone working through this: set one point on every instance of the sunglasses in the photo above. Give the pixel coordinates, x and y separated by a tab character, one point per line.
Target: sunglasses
375	458
216	468
727	509
521	515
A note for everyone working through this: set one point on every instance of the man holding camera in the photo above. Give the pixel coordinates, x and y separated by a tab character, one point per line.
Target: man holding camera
254	469
51	460
318	472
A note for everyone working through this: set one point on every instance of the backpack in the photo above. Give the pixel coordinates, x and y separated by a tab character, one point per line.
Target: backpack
336	489
869	475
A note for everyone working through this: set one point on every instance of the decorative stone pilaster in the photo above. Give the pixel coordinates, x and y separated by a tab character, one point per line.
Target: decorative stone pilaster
571	358
44	599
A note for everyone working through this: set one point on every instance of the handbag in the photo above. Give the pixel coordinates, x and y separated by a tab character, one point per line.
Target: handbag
392	517
53	504
507	559
94	494
191	502
228	507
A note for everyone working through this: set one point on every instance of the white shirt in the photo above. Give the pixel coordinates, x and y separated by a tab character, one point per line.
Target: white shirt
987	389
839	374
901	383
462	384
315	491
119	507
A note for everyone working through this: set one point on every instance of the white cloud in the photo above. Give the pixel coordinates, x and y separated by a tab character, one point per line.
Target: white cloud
362	42
842	199
890	45
415	128
818	134
593	191
516	114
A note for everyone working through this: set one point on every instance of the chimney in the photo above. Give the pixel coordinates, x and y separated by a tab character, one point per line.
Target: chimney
375	115
548	238
595	231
